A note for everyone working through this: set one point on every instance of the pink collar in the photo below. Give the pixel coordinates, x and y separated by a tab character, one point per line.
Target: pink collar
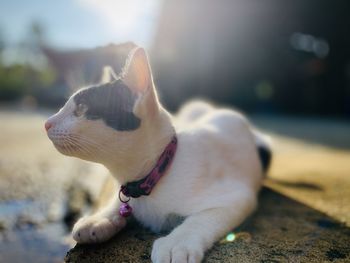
146	184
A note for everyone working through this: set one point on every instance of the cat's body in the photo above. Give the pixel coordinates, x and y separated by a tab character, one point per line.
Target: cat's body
213	180
209	163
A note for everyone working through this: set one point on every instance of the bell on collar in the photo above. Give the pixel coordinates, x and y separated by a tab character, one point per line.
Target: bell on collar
125	210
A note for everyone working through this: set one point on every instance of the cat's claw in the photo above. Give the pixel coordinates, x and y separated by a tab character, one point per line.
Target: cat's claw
97	228
169	249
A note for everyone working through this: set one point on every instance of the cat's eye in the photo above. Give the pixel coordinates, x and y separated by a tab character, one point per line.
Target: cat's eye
80	109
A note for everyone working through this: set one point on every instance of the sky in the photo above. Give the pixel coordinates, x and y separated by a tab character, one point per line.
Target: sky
81	23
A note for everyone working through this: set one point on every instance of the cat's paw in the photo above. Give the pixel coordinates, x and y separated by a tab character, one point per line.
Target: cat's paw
97	228
176	250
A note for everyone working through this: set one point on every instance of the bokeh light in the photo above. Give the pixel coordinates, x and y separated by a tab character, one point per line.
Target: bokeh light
230	237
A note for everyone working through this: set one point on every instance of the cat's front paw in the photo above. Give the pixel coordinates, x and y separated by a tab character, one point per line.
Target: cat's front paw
97	228
176	250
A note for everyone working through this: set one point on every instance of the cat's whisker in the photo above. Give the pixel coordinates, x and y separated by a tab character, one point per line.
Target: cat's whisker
71	143
70	146
85	145
90	143
66	147
78	146
87	150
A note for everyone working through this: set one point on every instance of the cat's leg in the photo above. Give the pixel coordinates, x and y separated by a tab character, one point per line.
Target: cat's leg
101	226
188	242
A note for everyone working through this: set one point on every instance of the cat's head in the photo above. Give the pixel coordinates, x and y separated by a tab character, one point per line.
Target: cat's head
114	115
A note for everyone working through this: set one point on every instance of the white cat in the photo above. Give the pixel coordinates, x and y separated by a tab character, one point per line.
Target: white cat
211	180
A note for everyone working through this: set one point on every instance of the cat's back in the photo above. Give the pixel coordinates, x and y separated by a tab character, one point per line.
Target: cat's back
217	149
220	136
215	124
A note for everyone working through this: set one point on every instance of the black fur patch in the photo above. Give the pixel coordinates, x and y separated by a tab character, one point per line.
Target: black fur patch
112	102
265	157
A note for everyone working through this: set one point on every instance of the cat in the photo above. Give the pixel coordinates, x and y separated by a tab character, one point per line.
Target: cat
211	179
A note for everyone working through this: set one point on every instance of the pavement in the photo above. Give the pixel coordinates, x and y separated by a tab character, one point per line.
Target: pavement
41	191
303	213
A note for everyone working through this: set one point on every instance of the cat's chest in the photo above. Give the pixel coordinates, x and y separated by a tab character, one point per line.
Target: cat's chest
148	213
152	214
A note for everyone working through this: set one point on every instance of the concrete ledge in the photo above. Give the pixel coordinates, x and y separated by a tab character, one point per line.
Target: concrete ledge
281	230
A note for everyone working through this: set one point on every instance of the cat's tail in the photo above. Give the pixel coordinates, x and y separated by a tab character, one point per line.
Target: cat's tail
264	146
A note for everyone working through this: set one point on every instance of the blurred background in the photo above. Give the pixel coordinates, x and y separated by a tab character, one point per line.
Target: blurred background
285	63
261	56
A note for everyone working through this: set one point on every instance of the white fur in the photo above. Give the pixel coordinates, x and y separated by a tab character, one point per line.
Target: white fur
213	181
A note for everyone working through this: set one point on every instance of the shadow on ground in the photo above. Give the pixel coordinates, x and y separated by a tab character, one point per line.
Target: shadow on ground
281	230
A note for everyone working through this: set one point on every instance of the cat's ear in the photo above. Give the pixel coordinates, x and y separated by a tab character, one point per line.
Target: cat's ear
137	76
108	75
137	72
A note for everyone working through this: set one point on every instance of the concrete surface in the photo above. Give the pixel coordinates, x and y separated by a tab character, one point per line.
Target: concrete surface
282	230
41	191
303	215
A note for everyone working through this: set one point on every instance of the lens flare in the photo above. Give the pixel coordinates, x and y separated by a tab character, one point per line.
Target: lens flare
230	237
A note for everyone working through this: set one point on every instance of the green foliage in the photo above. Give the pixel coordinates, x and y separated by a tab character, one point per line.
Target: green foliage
17	81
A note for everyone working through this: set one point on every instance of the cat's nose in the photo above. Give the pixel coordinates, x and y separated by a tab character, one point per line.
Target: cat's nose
48	125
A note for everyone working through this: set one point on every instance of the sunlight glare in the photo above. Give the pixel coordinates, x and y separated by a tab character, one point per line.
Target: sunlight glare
132	19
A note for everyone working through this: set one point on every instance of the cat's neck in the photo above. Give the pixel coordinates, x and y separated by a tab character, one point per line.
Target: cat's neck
136	162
